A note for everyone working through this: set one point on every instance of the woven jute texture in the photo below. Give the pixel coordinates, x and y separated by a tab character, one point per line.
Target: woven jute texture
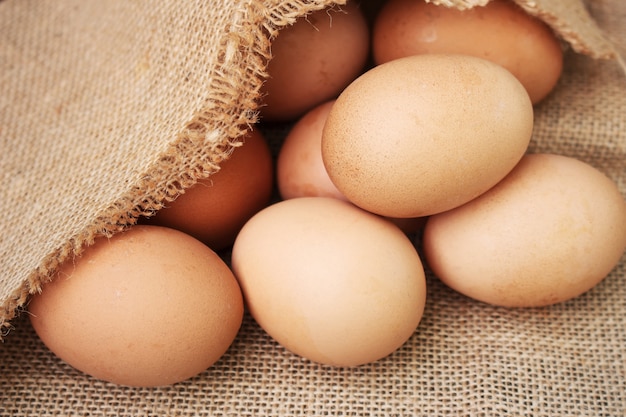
107	109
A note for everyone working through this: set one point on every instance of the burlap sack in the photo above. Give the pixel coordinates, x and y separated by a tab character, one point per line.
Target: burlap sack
107	109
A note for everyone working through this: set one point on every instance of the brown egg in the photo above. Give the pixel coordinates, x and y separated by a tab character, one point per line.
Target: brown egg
500	31
151	306
216	208
313	60
550	231
329	281
300	170
425	133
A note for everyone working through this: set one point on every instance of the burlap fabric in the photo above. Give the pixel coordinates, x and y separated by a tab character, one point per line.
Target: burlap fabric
109	108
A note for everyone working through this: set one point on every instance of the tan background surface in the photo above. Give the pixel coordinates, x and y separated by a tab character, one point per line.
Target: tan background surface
466	358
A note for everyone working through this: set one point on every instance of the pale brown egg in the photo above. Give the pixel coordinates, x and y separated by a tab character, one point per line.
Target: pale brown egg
550	231
329	281
501	32
300	170
151	306
425	133
214	209
313	60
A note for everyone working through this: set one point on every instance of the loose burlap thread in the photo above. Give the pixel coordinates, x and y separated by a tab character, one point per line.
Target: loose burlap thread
111	108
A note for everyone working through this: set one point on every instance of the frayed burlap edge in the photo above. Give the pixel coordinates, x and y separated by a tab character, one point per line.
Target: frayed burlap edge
247	48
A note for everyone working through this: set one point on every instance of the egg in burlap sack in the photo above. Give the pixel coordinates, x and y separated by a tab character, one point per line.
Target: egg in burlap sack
110	109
